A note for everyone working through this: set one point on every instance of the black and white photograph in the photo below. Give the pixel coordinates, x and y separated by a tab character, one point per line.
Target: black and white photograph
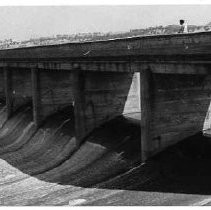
105	104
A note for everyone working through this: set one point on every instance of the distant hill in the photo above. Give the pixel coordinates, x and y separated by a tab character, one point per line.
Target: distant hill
67	38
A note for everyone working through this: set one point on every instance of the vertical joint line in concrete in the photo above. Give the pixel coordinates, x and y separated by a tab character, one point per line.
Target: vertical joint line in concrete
146	84
8	90
35	78
79	109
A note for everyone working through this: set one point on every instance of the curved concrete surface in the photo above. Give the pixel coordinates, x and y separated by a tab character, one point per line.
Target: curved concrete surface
49	159
44	166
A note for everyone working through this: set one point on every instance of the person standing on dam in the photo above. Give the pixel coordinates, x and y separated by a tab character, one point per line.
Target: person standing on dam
183	27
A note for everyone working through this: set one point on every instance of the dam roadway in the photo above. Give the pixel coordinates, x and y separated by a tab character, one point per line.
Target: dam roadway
117	122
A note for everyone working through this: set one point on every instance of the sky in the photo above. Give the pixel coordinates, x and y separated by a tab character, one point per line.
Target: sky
24	22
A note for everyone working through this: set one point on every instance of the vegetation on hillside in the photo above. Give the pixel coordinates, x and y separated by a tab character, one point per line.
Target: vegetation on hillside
80	37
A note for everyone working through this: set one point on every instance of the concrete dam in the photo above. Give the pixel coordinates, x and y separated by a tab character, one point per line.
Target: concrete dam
79	118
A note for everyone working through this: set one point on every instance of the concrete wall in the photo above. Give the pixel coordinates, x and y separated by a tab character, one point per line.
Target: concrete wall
2	93
96	96
179	107
21	87
175	105
105	95
55	90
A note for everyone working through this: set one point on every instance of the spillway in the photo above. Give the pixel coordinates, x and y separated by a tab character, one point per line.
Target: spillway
49	162
45	166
